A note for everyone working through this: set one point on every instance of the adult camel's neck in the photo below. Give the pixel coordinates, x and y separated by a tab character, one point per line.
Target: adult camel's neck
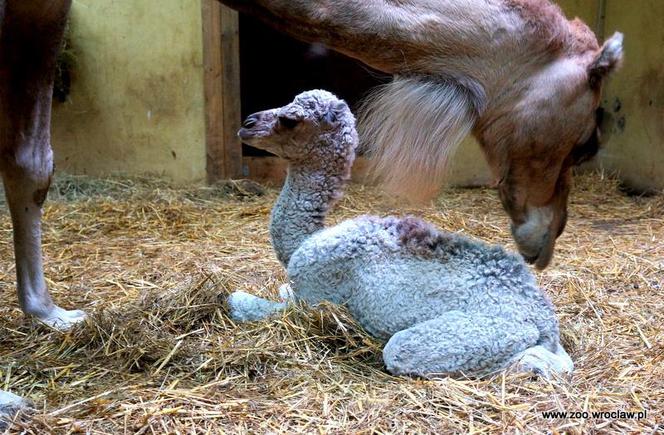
359	29
454	39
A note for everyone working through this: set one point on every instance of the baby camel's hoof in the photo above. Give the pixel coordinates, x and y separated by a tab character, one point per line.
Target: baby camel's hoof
61	319
543	362
244	307
10	404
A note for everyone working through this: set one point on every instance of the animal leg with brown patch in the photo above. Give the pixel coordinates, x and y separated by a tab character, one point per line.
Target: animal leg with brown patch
30	35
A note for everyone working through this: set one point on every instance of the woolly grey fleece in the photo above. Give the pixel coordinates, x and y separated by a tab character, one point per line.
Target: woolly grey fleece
446	304
10	404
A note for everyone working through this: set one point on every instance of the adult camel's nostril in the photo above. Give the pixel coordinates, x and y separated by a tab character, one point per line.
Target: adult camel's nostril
250	122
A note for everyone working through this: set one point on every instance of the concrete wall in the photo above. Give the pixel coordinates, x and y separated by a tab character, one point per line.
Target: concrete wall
136	104
635	96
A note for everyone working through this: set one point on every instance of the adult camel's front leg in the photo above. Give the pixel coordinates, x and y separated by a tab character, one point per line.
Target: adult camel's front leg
25	190
30	36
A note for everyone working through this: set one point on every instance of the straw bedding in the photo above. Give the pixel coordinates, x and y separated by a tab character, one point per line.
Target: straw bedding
152	263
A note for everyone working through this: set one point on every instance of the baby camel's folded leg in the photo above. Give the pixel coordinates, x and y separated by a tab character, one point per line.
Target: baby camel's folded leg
244	307
458	342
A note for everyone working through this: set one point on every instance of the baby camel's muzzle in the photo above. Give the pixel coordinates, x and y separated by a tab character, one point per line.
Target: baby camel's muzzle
251	127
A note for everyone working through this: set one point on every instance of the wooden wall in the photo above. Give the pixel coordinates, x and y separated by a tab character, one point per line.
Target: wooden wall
635	96
155	90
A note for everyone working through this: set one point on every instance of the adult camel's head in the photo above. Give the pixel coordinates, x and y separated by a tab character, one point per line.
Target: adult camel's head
532	148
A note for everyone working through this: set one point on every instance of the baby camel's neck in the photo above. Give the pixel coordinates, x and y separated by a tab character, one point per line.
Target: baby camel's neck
311	189
307	196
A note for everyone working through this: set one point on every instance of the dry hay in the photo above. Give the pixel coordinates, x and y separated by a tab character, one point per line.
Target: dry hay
152	264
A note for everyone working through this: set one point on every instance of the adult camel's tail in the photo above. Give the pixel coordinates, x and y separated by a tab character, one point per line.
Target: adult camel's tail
410	129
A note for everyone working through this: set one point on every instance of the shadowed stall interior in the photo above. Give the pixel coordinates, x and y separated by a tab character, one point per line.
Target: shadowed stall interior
274	67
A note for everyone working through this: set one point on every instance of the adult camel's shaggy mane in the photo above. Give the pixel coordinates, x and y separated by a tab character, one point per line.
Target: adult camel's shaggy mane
411	128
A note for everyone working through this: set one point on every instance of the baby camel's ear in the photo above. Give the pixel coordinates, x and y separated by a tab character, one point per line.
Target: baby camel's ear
335	112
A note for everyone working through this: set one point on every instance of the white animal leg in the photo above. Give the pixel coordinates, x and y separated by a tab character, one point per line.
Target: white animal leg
33	294
9	405
31	35
458	342
244	307
542	361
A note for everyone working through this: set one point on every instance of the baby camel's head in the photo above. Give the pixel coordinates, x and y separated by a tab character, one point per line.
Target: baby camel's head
316	125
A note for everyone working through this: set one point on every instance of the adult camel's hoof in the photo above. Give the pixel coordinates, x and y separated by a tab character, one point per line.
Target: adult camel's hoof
61	319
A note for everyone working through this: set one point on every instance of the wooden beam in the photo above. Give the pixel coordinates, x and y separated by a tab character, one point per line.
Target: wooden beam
600	20
221	59
272	170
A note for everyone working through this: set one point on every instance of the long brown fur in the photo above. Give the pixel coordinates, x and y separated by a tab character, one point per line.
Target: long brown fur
411	128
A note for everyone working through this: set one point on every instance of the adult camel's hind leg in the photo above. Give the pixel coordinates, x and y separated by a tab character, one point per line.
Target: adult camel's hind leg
458	342
31	33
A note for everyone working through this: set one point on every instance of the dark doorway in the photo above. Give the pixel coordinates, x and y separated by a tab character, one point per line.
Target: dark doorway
275	67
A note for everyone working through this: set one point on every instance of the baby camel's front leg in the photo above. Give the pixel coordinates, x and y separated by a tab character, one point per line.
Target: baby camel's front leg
245	307
458	342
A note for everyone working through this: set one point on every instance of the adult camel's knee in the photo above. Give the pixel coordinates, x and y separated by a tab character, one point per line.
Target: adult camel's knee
27	173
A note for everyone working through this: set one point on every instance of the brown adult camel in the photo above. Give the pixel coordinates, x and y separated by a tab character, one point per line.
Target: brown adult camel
519	76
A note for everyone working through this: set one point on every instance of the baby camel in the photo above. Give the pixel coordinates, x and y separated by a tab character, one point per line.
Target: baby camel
445	303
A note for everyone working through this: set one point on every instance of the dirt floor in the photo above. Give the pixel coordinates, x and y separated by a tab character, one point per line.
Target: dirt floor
152	263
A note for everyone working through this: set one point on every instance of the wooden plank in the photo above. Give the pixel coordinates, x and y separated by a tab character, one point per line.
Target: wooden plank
221	59
272	170
230	59
211	17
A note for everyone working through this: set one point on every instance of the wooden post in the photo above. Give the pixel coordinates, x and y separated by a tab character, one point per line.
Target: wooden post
221	59
600	20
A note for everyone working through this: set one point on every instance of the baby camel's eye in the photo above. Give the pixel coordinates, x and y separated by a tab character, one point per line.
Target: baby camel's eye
287	122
